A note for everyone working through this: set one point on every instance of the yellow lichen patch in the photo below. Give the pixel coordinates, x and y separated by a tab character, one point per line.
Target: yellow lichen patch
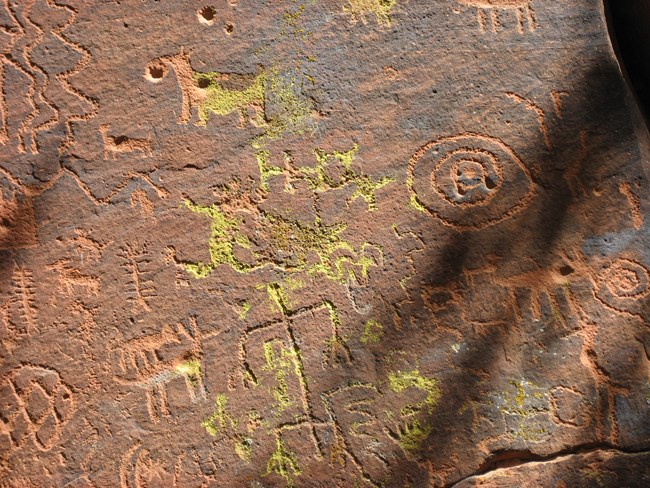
220	418
244	448
413	199
284	463
282	365
373	331
221	101
245	308
381	8
401	381
290	109
319	180
412	435
337	258
266	170
224	236
191	369
523	406
278	297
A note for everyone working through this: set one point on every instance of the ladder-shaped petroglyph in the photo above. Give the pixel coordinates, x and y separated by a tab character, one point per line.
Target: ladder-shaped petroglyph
207	93
122	144
140	277
278	355
36	406
22	302
152	361
488	13
540	114
469	181
358	433
25	36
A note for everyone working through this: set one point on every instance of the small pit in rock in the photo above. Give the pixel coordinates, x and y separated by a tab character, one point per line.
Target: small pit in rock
207	15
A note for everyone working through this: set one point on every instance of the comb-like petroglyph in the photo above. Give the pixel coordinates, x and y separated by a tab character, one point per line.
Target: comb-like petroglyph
353	243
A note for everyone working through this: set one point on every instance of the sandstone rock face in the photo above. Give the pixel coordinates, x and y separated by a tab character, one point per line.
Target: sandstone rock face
332	243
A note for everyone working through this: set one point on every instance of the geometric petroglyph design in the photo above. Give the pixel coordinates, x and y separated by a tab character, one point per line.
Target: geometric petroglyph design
622	285
23	301
140	280
35	404
469	180
26	110
358	431
151	362
522	9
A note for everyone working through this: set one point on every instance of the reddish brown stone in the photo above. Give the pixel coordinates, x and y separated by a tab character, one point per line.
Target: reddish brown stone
335	243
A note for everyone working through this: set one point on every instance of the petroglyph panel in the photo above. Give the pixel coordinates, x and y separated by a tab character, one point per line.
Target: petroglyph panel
355	243
469	180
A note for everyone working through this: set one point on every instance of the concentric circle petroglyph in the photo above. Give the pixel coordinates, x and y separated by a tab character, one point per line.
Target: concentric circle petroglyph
622	284
469	180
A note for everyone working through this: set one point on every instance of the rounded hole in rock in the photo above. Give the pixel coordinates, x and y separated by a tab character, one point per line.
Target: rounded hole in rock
155	73
229	28
490	184
566	270
207	15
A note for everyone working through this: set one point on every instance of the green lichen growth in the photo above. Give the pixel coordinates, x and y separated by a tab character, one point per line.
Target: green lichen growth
278	297
522	407
412	435
373	331
337	258
246	307
401	381
266	170
381	8
220	418
244	448
224	236
413	200
284	463
282	365
294	242
320	180
221	101
289	108
191	369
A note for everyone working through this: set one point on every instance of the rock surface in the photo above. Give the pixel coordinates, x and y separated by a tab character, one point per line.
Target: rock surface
331	243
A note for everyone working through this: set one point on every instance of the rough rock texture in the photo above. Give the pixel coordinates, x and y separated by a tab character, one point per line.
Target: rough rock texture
331	243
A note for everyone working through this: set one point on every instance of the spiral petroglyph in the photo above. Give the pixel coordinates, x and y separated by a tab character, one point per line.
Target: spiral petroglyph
470	180
622	286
